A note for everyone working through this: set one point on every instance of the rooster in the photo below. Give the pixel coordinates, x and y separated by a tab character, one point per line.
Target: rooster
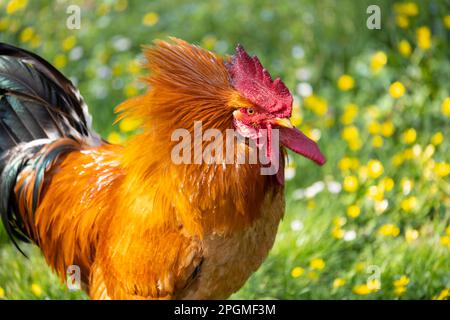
137	225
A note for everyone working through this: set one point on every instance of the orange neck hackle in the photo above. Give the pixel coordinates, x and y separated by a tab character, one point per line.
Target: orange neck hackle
190	84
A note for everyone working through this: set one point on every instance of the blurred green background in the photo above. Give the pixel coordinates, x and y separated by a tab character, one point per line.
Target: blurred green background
373	223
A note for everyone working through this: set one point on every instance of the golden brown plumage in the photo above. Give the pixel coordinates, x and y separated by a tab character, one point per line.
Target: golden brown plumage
140	226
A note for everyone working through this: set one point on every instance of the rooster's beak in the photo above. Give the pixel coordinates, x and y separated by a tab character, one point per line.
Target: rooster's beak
283	122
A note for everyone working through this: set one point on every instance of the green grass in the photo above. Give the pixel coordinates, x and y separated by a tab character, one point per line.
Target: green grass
402	190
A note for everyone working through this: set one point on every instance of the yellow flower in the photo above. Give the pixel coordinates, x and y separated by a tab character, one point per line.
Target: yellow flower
129	124
16	5
397	90
350	184
378	61
337	233
121	5
68	43
347	163
373	285
377	142
133	66
26	34
387	184
404	48
423	35
375	193
150	19
409	136
445	241
339	221
409	204
353	211
387	128
317	104
209	41
4	24
355	144
60	61
36	41
345	82
446	21
297	272
350	113
401	282
317	264
389	230
406	8
437	138
402	21
445	107
443	294
411	235
447	230
361	289
360	267
442	169
114	138
399	291
350	133
338	282
2	293
375	168
36	289
130	90
374	127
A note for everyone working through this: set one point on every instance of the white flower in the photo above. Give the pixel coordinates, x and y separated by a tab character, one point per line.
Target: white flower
304	89
350	235
296	225
334	187
289	173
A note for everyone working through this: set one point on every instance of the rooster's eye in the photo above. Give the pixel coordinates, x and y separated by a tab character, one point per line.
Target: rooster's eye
250	111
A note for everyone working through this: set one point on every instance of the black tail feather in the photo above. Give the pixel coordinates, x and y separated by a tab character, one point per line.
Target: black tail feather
38	105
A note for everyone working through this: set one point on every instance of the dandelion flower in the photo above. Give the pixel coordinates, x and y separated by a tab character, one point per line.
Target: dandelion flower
404	48
297	272
353	211
16	5
361	289
443	294
60	61
399	291
437	138
114	138
375	168
387	128
337	233
401	282
2	293
129	124
411	235
409	204
68	43
442	169
150	19
338	282
377	141
345	82
36	290
317	264
423	35
378	61
389	230
409	136
350	184
402	21
445	107
397	90
446	21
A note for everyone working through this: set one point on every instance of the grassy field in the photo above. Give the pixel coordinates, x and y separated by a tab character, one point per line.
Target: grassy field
374	222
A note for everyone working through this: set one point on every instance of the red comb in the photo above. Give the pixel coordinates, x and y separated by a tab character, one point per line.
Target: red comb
255	83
